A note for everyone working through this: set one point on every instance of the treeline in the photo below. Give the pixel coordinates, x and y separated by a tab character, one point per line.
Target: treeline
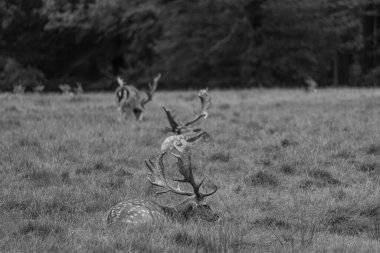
214	43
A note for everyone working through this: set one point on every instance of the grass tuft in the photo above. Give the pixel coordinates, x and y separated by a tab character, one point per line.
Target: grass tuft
198	241
96	167
324	177
368	166
65	177
286	142
40	229
288	169
220	156
306	184
262	178
14	205
373	149
271	222
344	221
42	178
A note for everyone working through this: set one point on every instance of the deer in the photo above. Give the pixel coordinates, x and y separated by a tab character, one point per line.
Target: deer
78	89
310	84
129	98
179	127
38	88
66	89
139	211
19	89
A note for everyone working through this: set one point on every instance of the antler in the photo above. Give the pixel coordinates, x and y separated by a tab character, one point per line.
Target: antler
178	127
185	169
171	118
157	176
151	90
206	102
205	105
120	81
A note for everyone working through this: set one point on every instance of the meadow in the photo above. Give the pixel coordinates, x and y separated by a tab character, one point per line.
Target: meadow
296	171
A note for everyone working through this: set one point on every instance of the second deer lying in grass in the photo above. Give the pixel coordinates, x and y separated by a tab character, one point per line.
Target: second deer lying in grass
148	211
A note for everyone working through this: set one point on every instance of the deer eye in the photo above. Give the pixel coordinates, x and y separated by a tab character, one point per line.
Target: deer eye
206	206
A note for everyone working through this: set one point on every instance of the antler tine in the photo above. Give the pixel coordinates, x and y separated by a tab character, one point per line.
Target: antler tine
120	81
185	169
151	90
173	123
157	176
205	105
198	136
209	194
205	101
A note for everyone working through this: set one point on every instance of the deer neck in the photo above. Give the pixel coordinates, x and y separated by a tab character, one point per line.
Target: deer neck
179	212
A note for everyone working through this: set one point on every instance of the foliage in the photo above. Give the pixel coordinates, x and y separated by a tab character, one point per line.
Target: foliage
14	74
215	43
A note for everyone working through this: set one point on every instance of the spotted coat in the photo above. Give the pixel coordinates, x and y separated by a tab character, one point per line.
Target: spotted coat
135	211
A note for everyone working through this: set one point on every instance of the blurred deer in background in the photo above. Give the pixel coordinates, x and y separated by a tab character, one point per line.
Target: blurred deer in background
78	89
149	211
66	89
310	84
38	88
19	89
69	90
179	127
129	100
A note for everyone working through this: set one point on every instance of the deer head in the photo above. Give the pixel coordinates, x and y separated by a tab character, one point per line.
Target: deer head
192	207
129	99
191	139
178	127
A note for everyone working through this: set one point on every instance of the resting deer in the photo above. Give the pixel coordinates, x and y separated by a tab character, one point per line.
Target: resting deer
178	127
148	211
190	139
130	100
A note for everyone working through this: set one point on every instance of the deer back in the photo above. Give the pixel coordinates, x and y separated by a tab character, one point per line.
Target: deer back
136	211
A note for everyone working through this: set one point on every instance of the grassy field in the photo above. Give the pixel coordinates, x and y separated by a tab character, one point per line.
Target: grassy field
296	172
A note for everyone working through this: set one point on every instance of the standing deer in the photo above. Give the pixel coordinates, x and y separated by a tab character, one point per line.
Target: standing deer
148	211
129	99
179	127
